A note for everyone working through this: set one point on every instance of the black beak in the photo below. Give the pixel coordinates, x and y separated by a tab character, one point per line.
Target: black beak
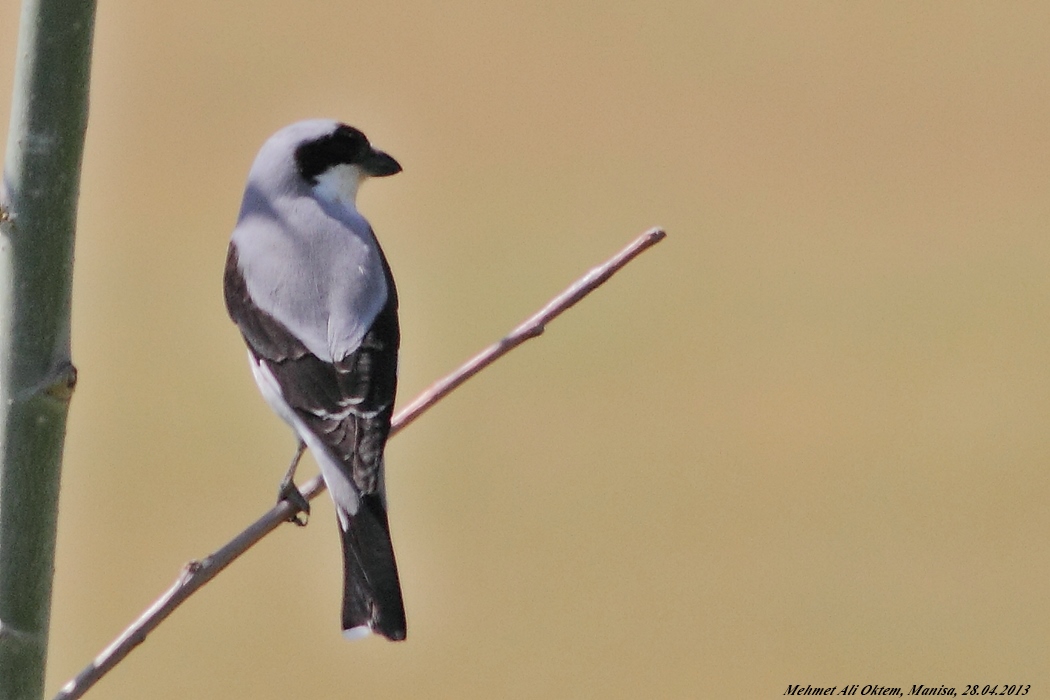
379	164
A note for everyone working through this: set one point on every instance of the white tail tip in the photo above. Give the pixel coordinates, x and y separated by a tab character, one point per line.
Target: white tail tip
355	633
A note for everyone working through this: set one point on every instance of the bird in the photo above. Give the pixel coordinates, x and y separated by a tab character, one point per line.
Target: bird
311	291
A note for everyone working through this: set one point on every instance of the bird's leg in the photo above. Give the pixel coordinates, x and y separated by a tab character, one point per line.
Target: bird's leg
288	491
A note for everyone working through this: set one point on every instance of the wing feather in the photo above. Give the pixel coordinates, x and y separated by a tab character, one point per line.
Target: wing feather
347	403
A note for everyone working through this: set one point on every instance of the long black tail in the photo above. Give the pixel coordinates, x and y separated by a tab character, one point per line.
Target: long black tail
372	591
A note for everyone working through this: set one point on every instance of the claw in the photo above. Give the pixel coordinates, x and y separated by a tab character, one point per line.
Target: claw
288	491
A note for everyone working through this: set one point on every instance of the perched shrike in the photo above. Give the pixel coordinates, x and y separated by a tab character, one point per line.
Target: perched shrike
310	289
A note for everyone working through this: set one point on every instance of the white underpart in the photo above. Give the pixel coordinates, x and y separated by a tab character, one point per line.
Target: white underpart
339	485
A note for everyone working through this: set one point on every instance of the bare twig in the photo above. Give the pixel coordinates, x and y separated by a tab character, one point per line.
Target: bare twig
197	573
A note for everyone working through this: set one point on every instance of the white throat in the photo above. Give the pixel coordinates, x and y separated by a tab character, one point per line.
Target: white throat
339	184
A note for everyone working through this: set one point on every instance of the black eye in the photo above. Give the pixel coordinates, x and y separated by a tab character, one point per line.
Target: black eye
344	145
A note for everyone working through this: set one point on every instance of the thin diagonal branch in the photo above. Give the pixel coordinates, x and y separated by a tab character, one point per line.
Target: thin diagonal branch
531	328
197	573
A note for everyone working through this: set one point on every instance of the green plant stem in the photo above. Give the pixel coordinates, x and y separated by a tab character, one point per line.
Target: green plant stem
38	204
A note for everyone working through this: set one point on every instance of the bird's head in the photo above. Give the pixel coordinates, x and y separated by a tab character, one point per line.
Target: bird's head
330	158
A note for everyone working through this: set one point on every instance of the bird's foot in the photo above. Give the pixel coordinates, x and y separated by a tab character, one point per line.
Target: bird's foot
290	492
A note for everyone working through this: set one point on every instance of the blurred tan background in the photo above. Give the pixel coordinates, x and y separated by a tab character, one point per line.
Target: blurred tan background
804	440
